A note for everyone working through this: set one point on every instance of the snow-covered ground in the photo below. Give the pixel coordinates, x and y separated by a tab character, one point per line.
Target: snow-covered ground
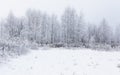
61	61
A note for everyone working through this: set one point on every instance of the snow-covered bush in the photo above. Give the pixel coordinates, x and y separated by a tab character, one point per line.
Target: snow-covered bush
12	47
33	45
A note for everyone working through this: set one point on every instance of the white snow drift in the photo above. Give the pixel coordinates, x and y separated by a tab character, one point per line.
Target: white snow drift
61	61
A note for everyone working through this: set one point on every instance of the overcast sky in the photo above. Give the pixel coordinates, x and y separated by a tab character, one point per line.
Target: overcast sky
94	10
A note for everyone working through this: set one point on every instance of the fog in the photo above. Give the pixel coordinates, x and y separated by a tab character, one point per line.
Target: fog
94	10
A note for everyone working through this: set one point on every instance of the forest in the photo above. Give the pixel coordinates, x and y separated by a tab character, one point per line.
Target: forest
38	29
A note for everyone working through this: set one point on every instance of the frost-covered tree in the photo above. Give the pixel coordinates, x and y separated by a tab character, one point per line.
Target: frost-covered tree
55	30
2	30
34	23
91	33
12	26
45	29
80	30
11	29
104	32
117	34
68	25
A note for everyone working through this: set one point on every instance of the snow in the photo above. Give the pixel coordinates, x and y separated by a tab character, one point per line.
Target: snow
60	61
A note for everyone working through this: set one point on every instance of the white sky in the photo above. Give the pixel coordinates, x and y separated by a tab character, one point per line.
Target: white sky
94	10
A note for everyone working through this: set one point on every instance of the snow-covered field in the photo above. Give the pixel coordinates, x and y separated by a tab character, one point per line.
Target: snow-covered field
61	61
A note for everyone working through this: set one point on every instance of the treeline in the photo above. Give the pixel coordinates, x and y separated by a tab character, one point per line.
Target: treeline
41	29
